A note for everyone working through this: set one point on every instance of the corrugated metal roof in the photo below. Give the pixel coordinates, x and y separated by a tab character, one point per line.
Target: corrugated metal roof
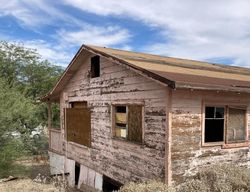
176	73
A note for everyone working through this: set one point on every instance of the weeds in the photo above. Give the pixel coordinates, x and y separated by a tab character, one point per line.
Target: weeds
219	178
59	182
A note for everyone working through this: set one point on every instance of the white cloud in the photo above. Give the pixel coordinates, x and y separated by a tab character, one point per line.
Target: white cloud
58	49
53	53
102	36
37	13
202	30
191	29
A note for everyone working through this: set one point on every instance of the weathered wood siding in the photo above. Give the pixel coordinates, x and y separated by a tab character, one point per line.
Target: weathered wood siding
122	161
55	140
188	155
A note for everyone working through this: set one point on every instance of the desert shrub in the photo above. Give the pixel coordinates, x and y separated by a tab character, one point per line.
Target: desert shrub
149	186
193	185
219	178
225	178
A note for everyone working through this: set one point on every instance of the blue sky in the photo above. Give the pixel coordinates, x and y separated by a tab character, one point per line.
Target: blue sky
208	30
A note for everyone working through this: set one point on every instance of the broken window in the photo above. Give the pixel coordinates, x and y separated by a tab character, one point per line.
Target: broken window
128	122
216	126
95	66
78	123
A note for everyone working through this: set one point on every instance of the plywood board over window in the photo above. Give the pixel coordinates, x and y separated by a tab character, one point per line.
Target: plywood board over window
236	128
78	125
135	123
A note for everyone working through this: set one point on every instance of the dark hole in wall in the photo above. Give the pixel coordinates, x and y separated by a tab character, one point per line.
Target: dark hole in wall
77	173
95	66
110	184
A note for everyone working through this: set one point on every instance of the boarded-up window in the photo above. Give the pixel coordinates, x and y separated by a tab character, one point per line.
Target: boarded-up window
135	123
128	122
78	125
236	128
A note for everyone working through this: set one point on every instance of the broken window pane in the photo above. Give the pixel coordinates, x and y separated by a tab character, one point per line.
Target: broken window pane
128	122
210	112
236	128
219	112
121	121
121	109
214	124
214	130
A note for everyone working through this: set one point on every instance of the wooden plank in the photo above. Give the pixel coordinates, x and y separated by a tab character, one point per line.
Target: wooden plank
135	123
78	125
91	178
121	118
83	176
98	181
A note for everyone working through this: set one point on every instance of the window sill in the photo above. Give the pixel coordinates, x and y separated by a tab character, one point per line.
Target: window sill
227	145
125	143
212	144
235	145
78	145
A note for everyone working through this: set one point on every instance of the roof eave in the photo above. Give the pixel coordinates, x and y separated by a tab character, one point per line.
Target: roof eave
217	88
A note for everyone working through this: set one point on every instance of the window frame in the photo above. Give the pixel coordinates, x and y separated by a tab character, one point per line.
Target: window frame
113	122
226	106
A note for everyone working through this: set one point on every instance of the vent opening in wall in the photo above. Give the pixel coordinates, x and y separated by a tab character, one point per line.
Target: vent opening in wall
77	173
95	66
110	184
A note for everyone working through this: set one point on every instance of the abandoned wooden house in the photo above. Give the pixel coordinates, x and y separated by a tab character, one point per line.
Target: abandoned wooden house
129	116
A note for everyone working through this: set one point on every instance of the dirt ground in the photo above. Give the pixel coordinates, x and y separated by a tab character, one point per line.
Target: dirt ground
31	178
26	185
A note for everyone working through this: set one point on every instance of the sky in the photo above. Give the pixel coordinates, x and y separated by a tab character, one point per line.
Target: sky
216	31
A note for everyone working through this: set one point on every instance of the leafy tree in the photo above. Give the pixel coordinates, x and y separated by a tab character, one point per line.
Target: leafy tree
24	77
17	113
25	70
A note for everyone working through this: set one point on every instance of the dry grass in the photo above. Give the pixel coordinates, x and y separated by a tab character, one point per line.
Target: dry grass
27	185
219	178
